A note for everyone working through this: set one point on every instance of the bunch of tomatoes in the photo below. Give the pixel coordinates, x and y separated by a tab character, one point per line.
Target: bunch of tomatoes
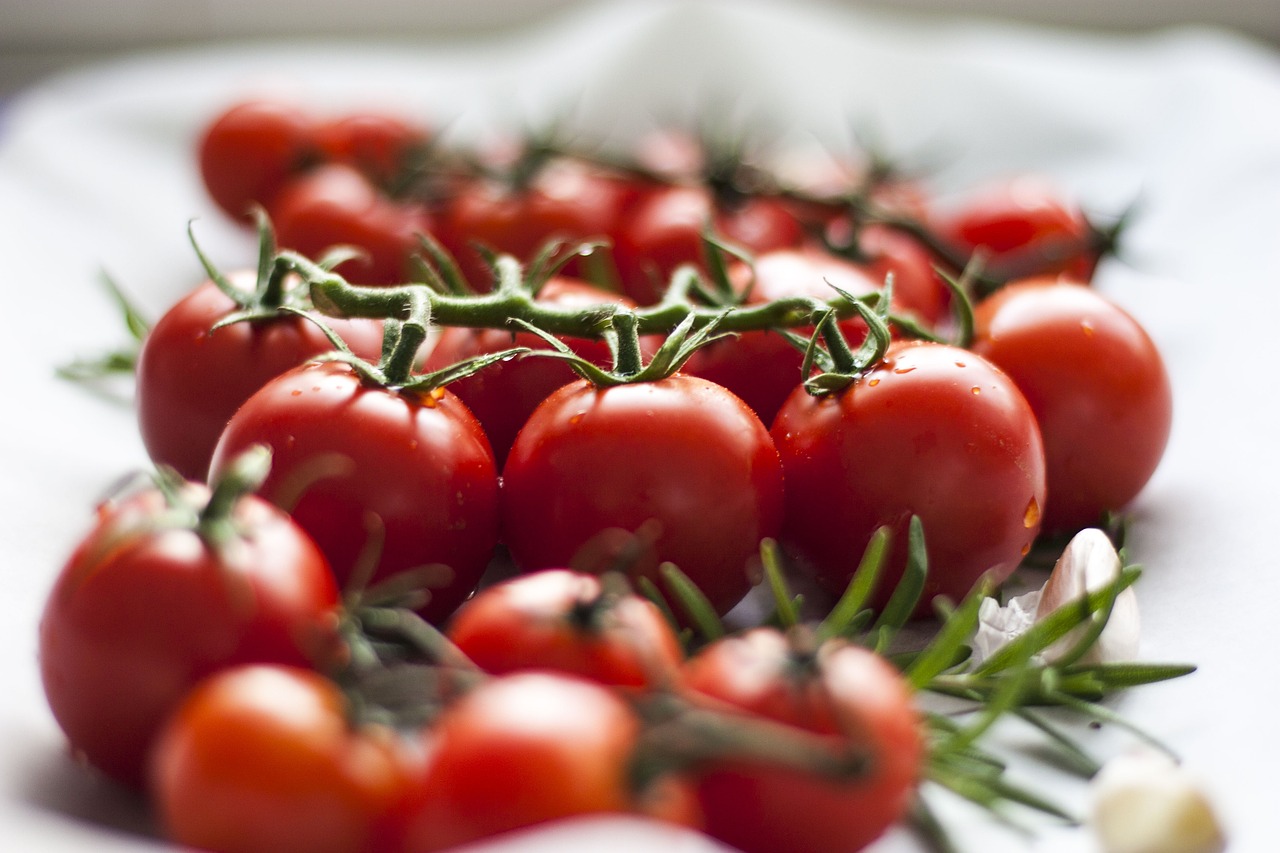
471	495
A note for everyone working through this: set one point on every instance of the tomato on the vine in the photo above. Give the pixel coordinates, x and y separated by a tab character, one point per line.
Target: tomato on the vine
248	154
261	758
571	622
665	230
762	367
680	456
166	589
531	747
402	477
1024	227
1096	383
380	145
563	200
934	431
191	377
836	689
335	204
504	394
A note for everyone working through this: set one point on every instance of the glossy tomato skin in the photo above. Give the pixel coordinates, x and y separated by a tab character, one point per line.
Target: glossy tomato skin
763	368
335	204
664	230
932	430
351	457
527	748
841	690
248	153
561	620
1096	383
263	758
503	395
144	609
564	201
191	378
681	456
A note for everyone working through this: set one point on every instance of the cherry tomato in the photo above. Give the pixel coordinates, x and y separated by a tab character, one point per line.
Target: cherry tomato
335	204
504	394
191	378
839	689
380	145
567	621
763	368
150	602
664	230
528	748
264	758
1096	383
248	153
564	200
934	431
681	455
1026	228
352	459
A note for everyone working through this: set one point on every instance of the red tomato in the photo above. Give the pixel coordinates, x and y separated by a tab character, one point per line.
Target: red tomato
681	454
665	229
264	758
149	603
565	200
504	394
337	205
566	621
528	748
190	380
840	690
355	456
248	153
1096	383
380	145
933	430
762	367
1026	229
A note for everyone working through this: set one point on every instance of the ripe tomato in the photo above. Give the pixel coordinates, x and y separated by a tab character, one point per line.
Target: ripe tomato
248	153
567	621
191	378
1026	229
351	458
762	367
1096	383
149	603
564	200
264	758
380	145
504	394
335	204
528	748
839	689
664	230
934	431
680	453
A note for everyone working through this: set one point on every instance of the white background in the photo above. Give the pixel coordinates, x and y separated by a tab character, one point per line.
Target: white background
96	172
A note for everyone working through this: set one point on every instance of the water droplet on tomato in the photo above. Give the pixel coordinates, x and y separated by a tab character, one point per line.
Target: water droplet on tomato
873	382
295	393
1032	516
1087	327
903	369
960	364
975	390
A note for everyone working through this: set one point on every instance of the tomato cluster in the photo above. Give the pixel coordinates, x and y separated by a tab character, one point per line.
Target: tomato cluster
747	359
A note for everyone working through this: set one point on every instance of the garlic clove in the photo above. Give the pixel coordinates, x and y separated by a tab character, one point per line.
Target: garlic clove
1143	802
1089	563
